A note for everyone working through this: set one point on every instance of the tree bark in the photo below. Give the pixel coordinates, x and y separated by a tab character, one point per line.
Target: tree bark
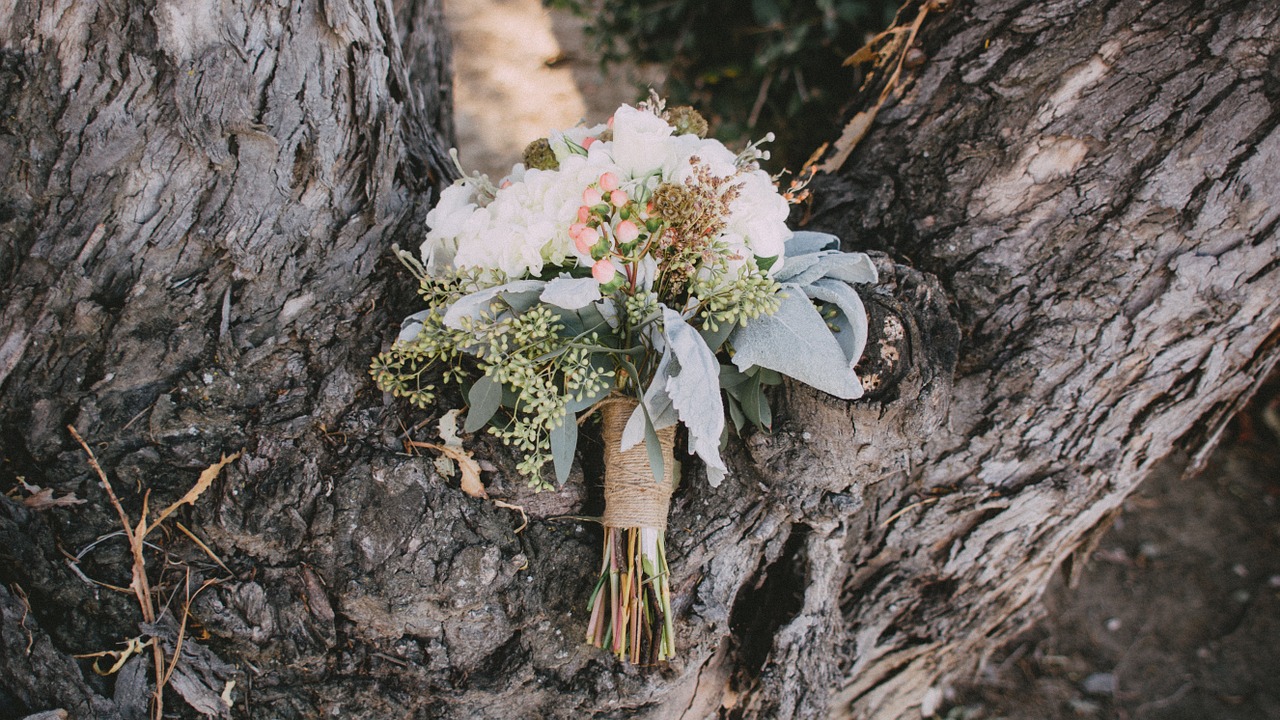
1073	208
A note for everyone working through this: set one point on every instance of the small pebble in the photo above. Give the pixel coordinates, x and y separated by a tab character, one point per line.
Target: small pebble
1240	570
1114	624
1100	684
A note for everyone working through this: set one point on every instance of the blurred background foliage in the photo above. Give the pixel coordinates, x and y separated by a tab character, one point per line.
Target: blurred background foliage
750	66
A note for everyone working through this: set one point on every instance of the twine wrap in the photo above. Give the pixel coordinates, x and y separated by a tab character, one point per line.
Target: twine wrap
632	498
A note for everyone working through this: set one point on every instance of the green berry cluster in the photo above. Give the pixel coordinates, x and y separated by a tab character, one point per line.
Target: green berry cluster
750	295
545	370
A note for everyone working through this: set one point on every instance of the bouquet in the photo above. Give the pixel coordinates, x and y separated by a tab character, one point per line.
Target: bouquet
642	270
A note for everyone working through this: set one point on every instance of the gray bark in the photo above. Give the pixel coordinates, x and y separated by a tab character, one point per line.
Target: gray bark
1073	204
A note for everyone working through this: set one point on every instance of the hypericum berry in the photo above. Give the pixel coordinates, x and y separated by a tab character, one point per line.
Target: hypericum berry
608	182
626	231
618	198
586	239
586	144
591	196
603	271
584	213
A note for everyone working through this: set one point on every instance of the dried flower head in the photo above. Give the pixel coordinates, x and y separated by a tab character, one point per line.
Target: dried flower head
686	121
539	156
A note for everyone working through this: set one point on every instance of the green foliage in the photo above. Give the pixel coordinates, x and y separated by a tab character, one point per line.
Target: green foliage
764	65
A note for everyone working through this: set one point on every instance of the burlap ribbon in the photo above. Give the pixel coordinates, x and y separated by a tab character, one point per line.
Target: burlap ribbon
632	498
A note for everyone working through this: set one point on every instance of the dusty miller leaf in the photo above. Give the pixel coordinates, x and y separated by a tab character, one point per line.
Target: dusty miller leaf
796	342
695	389
412	325
852	318
477	303
571	293
657	405
805	242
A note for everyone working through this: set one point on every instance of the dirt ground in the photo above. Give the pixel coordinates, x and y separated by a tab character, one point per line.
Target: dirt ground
521	70
1177	614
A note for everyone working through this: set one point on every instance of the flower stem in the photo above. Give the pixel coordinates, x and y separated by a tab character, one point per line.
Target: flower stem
634	618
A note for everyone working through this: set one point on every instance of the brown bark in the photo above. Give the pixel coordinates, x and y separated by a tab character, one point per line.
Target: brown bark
1074	204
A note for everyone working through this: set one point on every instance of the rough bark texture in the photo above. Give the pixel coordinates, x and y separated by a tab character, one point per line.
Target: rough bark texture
1075	207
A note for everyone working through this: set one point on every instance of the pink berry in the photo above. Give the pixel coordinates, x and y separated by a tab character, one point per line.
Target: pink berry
591	196
626	231
576	229
587	143
603	271
584	213
585	239
608	182
618	198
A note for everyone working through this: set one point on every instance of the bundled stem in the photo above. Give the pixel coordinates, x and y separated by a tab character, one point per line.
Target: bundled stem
631	603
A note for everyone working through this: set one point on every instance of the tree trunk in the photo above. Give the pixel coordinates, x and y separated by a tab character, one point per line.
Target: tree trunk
1075	207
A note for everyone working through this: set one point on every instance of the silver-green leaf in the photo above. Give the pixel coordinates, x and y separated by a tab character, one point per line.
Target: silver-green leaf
564	443
796	342
484	397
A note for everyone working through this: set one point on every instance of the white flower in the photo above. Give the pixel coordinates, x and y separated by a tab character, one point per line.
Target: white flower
448	221
759	217
642	142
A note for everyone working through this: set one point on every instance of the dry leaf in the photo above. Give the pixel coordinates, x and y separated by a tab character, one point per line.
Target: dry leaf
849	138
471	483
900	40
206	479
865	54
42	498
448	428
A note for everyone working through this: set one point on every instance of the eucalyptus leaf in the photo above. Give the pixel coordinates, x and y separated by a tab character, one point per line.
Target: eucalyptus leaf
749	398
484	397
653	447
796	342
731	377
591	317
564	443
520	302
656	404
572	325
735	412
715	338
